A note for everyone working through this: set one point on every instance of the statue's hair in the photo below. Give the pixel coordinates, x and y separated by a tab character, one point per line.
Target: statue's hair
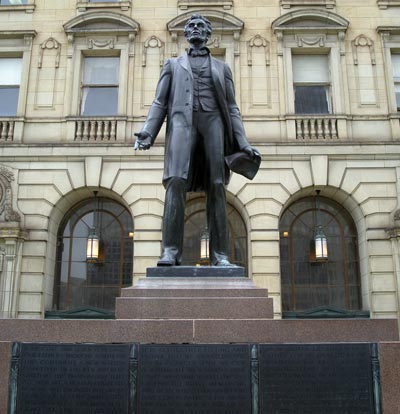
205	20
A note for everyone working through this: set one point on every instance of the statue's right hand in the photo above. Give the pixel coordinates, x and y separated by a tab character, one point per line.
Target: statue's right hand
143	141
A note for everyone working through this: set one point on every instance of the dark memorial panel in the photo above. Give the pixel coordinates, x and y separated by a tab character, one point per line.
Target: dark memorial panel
194	379
73	379
315	379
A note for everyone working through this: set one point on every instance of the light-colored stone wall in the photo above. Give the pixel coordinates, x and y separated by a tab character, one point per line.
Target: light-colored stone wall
53	171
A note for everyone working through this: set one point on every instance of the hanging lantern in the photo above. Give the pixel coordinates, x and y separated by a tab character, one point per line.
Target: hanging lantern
205	247
92	247
93	242
321	245
320	240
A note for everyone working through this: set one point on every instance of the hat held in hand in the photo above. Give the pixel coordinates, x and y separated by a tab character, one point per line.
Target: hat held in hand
243	164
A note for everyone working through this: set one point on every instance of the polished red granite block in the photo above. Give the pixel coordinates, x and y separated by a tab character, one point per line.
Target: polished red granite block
389	359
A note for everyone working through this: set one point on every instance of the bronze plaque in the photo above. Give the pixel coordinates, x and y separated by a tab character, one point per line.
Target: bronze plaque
316	378
72	379
194	379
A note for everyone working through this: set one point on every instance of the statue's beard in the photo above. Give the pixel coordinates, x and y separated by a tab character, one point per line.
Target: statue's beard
196	38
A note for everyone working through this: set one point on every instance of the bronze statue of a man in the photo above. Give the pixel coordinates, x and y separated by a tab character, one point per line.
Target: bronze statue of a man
196	94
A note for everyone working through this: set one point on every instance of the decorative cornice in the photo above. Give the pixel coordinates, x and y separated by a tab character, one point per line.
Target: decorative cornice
221	22
324	20
118	23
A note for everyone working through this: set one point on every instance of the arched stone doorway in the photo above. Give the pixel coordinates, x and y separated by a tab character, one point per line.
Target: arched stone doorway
79	282
306	283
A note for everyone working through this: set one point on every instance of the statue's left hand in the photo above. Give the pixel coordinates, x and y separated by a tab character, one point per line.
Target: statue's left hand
251	152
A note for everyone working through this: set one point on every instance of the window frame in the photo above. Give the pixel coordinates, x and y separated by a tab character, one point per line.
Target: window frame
390	36
396	80
84	85
86	40
325	37
18	43
28	7
14	86
326	85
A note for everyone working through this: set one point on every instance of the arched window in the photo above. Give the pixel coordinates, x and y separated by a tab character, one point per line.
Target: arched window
82	283
307	283
195	225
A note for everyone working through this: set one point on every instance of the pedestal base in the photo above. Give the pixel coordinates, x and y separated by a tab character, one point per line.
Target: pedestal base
194	298
195	271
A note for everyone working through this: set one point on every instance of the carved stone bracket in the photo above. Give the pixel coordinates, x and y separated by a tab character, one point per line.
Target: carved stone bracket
174	39
6	211
342	37
132	37
70	40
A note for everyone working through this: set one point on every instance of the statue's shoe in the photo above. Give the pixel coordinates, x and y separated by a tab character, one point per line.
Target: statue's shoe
224	263
167	260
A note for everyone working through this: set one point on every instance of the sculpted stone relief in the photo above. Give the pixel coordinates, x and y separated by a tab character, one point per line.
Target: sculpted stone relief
6	208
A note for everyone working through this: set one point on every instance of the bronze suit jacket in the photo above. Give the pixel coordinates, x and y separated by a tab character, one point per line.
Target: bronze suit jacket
174	100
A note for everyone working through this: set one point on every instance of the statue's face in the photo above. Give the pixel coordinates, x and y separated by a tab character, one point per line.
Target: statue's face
196	31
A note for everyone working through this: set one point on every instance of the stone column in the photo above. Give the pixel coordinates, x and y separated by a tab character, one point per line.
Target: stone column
12	239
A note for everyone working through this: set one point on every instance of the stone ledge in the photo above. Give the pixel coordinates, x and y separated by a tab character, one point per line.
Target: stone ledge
200	331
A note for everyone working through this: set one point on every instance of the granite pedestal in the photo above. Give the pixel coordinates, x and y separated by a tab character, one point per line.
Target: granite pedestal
204	310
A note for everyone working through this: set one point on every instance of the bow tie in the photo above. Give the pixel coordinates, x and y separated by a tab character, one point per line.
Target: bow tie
199	52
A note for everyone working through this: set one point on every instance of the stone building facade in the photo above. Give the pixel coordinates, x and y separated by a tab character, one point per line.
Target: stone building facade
316	81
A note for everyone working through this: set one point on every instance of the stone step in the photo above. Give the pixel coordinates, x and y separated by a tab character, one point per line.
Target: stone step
194	308
194	287
183	293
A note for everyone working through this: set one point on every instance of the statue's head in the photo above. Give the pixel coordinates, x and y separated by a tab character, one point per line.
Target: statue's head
197	29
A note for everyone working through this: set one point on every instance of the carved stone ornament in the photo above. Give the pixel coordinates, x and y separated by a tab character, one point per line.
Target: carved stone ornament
6	211
50	44
360	42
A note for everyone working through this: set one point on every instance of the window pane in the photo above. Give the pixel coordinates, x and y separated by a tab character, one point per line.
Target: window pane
396	65
10	71
12	2
311	100
310	68
101	71
8	101
397	90
99	101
